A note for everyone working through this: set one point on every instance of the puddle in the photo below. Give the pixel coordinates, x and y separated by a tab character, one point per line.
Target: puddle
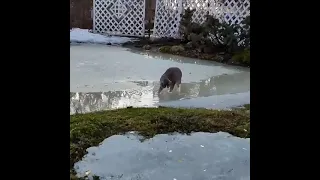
210	93
104	77
213	102
181	157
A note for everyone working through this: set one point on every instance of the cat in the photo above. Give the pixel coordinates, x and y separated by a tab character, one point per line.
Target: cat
171	77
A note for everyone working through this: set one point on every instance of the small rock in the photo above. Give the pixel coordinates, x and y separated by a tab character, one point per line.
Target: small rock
218	58
189	45
208	50
227	57
146	47
230	170
178	48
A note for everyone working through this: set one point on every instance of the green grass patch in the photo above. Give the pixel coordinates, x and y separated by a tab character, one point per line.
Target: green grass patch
87	130
165	49
242	57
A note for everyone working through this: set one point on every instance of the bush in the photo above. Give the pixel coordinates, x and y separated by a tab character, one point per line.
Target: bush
229	38
191	31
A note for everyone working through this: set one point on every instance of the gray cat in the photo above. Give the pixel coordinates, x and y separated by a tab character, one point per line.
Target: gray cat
171	77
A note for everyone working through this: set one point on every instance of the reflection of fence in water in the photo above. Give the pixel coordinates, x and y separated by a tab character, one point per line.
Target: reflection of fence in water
147	96
86	102
95	101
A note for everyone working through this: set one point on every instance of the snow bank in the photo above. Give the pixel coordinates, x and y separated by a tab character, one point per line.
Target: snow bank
84	36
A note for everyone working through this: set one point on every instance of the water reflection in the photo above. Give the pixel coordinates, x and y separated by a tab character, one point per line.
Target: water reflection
146	95
82	102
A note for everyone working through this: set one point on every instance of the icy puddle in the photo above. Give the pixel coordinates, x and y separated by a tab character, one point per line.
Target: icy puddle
107	77
200	156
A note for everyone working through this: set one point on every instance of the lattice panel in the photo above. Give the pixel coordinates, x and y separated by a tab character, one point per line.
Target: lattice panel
167	18
234	11
201	7
216	8
231	11
119	17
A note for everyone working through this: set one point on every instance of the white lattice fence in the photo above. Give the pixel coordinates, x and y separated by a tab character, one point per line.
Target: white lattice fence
231	11
119	17
166	17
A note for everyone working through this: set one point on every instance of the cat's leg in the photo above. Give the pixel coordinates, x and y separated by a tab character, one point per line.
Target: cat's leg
179	85
171	86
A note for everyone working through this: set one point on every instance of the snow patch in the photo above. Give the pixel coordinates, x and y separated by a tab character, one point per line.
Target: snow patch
85	36
183	157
